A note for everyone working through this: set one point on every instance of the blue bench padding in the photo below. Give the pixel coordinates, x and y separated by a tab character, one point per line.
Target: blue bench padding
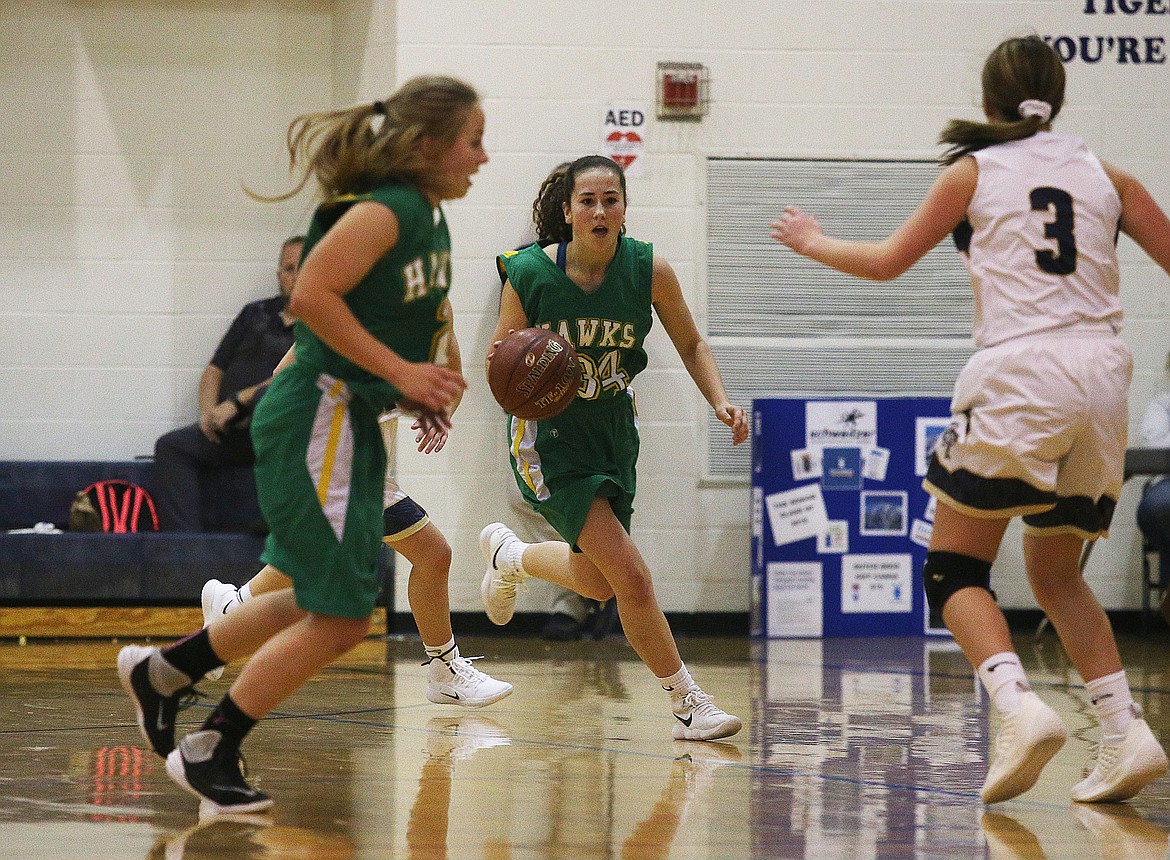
97	569
33	491
149	569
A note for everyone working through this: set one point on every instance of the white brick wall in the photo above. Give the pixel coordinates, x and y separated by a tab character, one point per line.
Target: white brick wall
126	245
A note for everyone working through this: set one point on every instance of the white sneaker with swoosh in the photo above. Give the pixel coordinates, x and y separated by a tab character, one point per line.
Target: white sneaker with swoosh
498	543
1122	766
1027	738
457	682
698	718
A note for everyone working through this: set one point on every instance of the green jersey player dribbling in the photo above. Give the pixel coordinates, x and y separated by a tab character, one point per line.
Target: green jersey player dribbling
597	287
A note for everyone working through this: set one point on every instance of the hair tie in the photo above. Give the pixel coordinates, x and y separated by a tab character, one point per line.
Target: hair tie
1037	108
380	108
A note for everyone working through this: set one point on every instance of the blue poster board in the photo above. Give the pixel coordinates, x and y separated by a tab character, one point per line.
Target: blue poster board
840	522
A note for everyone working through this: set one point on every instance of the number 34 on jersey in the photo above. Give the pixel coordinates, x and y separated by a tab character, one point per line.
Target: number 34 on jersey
599	344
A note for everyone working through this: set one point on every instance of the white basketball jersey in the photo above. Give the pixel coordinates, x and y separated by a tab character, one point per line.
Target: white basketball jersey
1041	240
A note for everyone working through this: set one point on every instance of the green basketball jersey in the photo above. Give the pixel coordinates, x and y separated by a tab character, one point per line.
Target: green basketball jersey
400	300
607	327
591	449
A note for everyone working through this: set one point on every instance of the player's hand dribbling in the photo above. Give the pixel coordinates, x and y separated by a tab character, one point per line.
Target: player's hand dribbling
796	229
492	349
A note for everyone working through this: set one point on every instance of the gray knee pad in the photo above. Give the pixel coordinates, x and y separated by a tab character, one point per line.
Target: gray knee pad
948	572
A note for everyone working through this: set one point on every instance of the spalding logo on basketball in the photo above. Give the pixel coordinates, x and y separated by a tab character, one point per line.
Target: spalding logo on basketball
534	374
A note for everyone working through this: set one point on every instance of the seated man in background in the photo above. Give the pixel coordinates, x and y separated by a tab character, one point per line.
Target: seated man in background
1153	513
231	385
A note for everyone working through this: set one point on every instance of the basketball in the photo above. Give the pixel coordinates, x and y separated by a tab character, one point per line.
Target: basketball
534	374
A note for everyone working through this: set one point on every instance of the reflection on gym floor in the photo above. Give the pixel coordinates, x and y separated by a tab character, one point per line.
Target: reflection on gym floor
852	748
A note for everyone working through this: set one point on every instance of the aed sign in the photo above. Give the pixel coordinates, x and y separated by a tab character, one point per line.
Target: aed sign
623	135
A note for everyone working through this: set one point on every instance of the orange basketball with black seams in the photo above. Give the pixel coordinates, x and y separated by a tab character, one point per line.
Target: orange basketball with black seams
534	374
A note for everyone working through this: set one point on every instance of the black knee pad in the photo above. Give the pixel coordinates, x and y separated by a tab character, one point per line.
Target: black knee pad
948	572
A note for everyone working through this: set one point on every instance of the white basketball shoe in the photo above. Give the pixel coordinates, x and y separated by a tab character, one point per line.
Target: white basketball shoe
700	719
457	682
501	550
1122	766
1028	737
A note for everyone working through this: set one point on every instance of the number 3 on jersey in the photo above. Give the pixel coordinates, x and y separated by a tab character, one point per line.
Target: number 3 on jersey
1060	203
596	376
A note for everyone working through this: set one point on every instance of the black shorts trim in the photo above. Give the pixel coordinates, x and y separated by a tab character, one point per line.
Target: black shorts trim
1076	513
403	518
1041	511
1007	495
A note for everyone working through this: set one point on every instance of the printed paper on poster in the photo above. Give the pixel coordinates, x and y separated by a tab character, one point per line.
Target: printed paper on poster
806	463
796	514
795	606
876	583
840	423
877	461
835	538
931	506
920	532
927	432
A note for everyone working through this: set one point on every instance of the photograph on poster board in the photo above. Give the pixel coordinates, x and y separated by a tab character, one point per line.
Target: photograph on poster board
883	513
806	464
926	435
931	506
835	537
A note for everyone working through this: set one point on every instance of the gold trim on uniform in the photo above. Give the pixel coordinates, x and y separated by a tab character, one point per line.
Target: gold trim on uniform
329	456
526	458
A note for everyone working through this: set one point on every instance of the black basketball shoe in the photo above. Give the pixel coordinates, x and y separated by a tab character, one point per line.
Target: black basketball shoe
156	712
210	769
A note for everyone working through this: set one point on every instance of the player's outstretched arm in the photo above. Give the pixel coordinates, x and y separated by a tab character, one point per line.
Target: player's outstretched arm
694	351
944	206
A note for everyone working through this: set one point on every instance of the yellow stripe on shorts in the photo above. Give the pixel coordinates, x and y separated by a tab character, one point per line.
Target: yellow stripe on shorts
330	453
526	458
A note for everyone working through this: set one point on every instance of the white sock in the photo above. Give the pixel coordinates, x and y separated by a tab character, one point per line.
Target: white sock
244	592
1113	702
1005	681
446	653
513	553
678	684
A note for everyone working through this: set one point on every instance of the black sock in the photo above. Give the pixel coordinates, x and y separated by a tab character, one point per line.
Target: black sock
232	723
193	656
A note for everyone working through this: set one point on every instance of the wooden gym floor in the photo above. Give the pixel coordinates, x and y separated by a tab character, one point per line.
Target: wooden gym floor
858	748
